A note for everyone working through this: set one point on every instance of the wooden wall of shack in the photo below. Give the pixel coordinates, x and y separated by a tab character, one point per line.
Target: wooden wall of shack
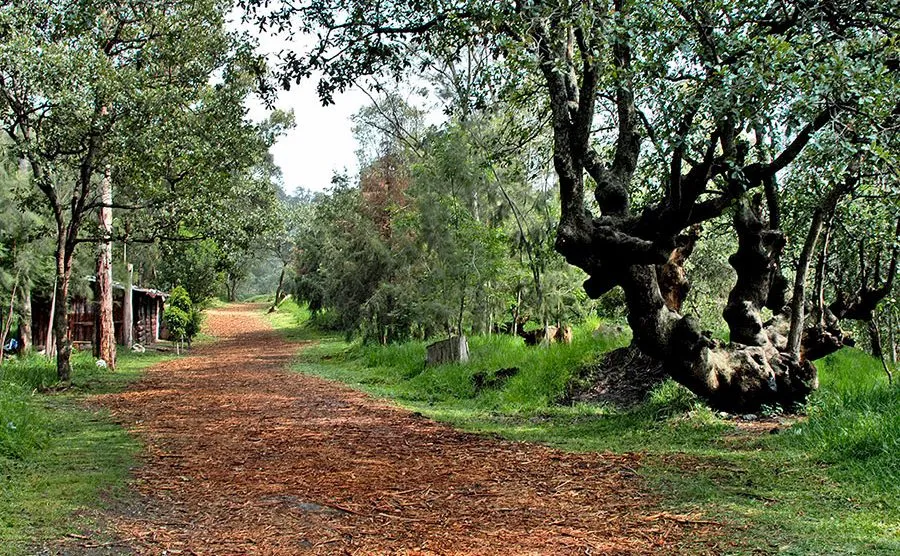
147	310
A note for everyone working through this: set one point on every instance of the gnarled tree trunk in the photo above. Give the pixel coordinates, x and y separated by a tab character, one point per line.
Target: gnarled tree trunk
644	251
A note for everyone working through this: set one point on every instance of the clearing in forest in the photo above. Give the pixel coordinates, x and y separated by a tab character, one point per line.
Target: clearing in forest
242	456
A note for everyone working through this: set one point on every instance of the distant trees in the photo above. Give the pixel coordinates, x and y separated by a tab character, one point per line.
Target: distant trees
430	242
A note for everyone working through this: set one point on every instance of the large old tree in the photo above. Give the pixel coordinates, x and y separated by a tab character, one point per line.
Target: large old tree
672	114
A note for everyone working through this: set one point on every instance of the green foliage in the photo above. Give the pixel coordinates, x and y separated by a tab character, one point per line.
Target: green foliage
183	319
194	324
193	265
443	235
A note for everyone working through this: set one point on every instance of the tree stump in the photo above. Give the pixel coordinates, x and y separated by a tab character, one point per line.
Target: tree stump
454	350
564	335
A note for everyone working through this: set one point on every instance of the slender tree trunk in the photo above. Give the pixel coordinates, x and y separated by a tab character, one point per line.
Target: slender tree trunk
877	347
106	333
279	291
7	325
516	313
462	306
48	342
128	308
798	302
821	270
231	288
25	317
61	314
892	321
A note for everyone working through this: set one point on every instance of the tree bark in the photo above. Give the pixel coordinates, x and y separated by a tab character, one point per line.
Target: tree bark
877	347
231	287
798	301
128	308
48	343
514	330
7	322
105	347
673	281
25	325
821	270
61	314
279	290
892	326
733	377
759	281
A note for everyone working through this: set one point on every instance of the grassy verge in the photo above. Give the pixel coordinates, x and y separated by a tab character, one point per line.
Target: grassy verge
58	458
825	484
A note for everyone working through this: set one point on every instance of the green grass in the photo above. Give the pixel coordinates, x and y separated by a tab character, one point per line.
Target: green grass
68	458
825	484
259	298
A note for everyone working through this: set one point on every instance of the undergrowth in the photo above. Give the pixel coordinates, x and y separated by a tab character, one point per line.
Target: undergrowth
826	483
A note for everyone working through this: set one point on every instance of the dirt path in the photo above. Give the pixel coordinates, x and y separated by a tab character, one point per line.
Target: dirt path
244	457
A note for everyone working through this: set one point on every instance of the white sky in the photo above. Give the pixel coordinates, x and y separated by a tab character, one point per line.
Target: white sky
322	141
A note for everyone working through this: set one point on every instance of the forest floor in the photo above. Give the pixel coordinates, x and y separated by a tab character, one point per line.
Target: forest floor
242	456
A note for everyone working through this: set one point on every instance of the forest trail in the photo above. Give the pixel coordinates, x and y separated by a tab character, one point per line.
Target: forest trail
243	457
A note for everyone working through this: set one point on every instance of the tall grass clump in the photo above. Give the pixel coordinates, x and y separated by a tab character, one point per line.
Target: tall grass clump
22	423
33	371
854	422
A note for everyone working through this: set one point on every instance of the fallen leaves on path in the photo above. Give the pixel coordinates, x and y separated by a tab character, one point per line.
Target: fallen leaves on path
243	457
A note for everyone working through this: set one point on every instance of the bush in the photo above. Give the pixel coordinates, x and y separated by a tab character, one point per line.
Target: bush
182	319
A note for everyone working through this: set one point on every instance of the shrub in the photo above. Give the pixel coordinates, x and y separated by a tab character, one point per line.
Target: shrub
182	319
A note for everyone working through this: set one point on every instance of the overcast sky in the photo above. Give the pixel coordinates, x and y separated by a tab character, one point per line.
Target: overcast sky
322	142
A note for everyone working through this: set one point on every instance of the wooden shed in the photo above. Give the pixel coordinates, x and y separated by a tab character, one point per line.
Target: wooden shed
147	311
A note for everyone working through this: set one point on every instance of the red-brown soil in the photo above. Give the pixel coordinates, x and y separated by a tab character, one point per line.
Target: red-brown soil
244	457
